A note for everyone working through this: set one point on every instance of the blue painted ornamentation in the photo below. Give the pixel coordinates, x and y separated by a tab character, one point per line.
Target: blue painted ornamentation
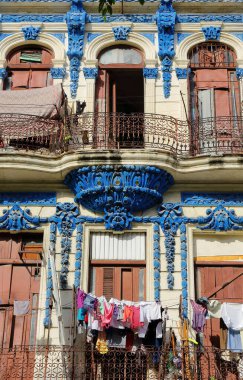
76	19
182	73
31	18
31	32
135	187
211	33
220	219
90	72
166	19
184	276
150	73
78	254
58	72
211	199
48	301
156	261
17	219
35	199
65	220
143	18
170	220
121	32
3	73
118	217
183	18
239	72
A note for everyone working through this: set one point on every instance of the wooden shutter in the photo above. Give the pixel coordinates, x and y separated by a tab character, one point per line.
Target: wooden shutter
108	282
5	280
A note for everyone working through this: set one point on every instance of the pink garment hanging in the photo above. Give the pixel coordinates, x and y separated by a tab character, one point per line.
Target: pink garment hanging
108	312
136	318
81	295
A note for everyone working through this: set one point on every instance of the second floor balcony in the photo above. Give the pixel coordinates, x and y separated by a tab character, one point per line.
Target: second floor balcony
118	131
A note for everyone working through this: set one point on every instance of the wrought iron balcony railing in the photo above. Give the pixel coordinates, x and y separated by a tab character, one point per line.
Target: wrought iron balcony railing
142	363
116	131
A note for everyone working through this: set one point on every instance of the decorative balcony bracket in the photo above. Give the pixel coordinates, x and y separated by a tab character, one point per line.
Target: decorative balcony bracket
118	190
121	32
166	19
76	19
182	73
58	72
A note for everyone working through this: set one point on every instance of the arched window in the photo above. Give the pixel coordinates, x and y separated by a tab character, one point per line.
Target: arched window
214	88
28	67
120	83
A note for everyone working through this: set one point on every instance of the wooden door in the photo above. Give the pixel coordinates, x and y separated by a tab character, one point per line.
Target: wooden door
222	283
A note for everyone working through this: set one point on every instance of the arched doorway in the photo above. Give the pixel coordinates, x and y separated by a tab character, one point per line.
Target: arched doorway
214	101
119	100
28	67
120	84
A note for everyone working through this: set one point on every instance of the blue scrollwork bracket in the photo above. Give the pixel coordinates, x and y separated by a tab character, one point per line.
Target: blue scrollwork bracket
76	19
166	19
182	73
58	72
150	73
17	219
90	72
31	32
211	33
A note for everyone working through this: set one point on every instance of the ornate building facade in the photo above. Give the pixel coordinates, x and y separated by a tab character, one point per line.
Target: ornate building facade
124	165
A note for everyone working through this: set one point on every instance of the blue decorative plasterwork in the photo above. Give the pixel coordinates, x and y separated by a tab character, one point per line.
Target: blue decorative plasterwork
48	301
17	219
4	35
90	72
141	18
28	199
59	36
182	36
184	275
239	72
150	73
170	219
31	32
182	73
211	33
65	220
150	36
136	187
58	72
31	18
121	32
166	19
184	18
220	219
3	73
92	36
156	261
76	19
211	199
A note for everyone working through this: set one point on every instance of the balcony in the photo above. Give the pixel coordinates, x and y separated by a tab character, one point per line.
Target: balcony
68	362
102	131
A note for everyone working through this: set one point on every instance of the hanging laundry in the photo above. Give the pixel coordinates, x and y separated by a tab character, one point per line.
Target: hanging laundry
21	308
80	298
145	318
128	315
108	312
232	314
101	344
116	337
90	302
155	311
136	318
234	343
199	316
81	314
214	308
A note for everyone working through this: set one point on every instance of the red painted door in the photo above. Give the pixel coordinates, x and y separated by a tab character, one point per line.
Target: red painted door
223	283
